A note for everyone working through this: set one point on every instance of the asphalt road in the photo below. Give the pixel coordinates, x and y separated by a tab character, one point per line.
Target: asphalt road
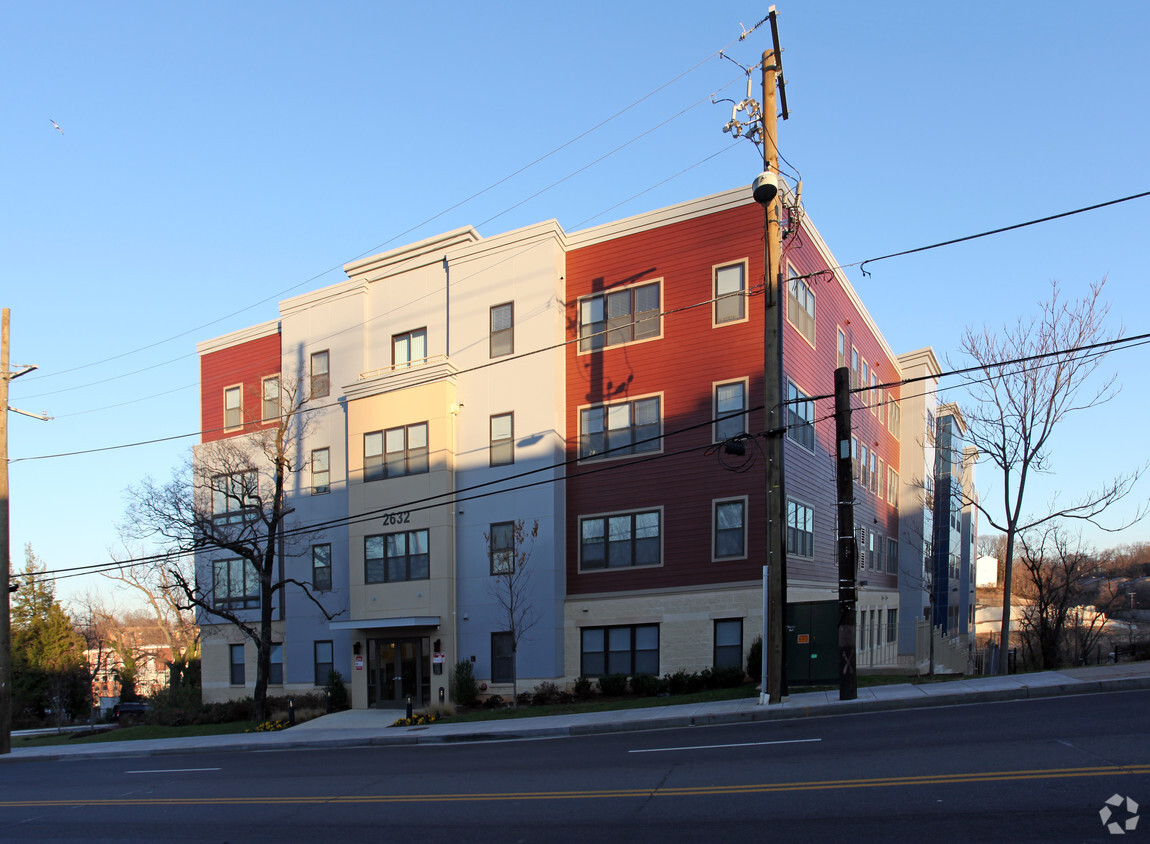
1028	770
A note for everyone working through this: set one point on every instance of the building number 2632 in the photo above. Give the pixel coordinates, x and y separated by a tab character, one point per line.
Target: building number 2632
401	518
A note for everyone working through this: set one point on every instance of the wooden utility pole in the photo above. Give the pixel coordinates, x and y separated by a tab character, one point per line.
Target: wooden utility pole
847	548
5	556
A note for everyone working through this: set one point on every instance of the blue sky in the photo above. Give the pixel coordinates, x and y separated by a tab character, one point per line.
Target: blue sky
216	157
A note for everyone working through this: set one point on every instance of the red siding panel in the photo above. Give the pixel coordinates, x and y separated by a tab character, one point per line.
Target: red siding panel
246	364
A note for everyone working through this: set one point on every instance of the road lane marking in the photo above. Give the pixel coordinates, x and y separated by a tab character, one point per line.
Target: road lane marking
645	793
172	770
717	746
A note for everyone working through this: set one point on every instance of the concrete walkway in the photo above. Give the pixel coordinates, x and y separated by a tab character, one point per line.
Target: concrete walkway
364	727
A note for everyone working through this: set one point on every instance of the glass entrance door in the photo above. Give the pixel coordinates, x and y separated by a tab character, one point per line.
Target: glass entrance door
396	669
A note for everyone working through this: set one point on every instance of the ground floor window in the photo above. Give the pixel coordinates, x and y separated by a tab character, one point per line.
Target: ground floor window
728	643
619	650
324	662
276	666
236	661
502	658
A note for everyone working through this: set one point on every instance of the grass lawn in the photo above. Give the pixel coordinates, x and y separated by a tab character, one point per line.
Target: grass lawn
103	733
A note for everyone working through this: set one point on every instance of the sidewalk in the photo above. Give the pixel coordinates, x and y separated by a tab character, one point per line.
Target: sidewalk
363	727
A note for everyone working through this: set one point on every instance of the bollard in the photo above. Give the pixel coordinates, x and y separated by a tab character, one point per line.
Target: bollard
291	713
441	694
409	706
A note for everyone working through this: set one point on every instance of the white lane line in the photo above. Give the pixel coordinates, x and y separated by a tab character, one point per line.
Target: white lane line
172	770
716	746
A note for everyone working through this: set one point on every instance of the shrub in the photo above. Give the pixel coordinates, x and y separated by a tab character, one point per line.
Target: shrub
466	689
755	659
493	702
582	687
337	692
645	685
544	693
683	682
727	678
613	685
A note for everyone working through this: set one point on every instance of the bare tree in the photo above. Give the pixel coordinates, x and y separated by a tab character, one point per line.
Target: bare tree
228	509
510	587
1031	375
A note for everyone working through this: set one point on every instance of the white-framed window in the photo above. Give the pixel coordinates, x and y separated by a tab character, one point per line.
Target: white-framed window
321	567
501	548
800	529
502	341
235	585
891	486
396	557
800	417
870	560
270	392
854	368
409	348
619	316
235	497
233	406
621	540
841	350
873	480
621	428
320	377
236	665
395	452
894	417
800	305
864	466
856	472
730	533
730	286
865	396
501	448
728	643
875	398
880	477
320	471
730	410
629	649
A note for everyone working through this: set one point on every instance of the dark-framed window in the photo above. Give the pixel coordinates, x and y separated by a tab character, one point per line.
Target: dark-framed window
730	410
396	557
502	657
276	665
800	305
728	643
235	585
616	430
270	392
395	452
320	378
621	540
408	348
502	330
321	567
324	661
730	293
236	665
501	547
800	529
800	417
730	528
631	650
619	316
892	625
892	556
233	407
235	497
320	471
501	451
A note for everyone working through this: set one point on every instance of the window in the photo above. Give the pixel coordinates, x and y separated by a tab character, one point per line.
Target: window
894	417
880	476
324	662
502	448
892	486
800	529
321	567
395	452
728	643
730	399
619	650
396	557
502	657
841	359
501	547
874	398
854	367
870	560
892	625
730	293
320	382
876	550
320	471
800	305
276	666
271	398
235	585
233	407
408	348
619	541
616	430
236	665
608	319
800	417
873	472
235	498
865	381
502	330
730	529
864	466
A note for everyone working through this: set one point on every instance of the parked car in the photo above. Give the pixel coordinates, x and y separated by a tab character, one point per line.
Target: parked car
131	713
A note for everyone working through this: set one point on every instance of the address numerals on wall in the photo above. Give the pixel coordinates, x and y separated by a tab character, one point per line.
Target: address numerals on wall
401	518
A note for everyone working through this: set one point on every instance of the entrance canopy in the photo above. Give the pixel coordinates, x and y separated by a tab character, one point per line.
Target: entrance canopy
386	623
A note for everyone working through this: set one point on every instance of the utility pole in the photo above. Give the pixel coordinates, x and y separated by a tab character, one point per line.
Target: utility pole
6	375
847	548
